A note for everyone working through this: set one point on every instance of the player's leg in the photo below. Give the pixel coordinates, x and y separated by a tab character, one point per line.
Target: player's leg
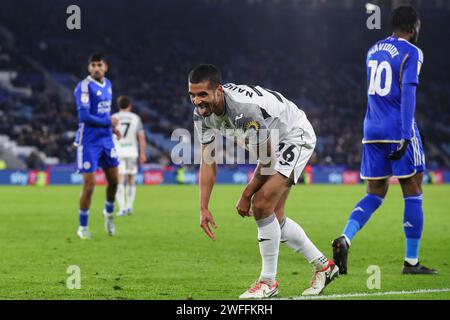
412	217
87	162
131	193
120	196
263	205
376	169
375	192
84	205
130	189
409	169
295	238
110	164
112	177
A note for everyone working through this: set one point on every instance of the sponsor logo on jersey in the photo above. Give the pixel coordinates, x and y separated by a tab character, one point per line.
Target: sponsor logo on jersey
252	124
104	106
85	98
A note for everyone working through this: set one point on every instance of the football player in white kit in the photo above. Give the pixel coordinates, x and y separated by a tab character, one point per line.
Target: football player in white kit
133	139
233	110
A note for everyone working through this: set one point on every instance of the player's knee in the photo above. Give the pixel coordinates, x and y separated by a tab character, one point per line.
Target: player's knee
113	182
261	204
279	211
88	189
378	187
410	187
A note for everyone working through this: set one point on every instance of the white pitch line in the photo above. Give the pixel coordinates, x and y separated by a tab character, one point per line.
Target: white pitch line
356	295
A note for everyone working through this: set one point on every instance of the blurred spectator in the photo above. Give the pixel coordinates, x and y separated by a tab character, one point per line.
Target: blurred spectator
34	161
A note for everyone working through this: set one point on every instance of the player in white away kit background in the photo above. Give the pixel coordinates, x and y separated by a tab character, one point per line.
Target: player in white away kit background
249	111
129	149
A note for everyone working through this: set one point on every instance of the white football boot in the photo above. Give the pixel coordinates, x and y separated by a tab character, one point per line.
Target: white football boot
84	233
321	279
121	213
260	290
109	223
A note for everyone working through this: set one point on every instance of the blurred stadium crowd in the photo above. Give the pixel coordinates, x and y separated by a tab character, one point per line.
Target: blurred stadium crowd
311	51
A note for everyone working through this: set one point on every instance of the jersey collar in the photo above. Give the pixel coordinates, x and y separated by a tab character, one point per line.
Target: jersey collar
98	83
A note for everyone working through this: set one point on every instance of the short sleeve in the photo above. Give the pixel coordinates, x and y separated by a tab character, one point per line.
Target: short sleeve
139	126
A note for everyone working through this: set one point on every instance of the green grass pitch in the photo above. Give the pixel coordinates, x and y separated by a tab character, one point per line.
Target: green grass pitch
161	253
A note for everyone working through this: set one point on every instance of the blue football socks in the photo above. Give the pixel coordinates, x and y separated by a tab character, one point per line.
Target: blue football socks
413	226
361	214
83	217
109	207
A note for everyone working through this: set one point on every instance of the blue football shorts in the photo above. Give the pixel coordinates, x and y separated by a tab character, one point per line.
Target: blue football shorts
376	165
90	157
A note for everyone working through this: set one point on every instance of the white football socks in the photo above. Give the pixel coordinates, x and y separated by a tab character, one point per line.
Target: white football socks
269	243
295	238
131	196
120	196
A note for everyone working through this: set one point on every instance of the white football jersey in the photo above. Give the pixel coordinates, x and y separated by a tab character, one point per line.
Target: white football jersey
254	107
129	125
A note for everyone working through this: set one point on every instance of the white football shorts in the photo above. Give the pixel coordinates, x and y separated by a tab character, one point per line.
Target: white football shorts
128	165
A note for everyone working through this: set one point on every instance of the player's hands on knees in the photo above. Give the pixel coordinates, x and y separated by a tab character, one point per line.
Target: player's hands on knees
243	206
206	219
400	151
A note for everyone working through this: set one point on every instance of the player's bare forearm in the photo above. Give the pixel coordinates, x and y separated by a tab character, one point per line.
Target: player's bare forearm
142	147
255	183
262	171
207	178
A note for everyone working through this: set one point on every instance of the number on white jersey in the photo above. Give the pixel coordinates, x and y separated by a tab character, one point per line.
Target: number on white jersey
127	126
375	78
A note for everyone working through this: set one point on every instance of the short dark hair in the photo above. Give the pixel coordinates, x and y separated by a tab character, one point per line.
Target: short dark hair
124	102
404	19
97	56
206	72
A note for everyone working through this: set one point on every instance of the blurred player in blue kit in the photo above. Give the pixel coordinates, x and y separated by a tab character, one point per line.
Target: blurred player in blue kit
392	145
94	141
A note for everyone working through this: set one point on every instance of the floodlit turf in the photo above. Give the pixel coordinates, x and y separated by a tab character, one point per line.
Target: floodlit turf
161	253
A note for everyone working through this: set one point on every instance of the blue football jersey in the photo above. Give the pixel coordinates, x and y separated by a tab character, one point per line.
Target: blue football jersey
96	97
390	63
